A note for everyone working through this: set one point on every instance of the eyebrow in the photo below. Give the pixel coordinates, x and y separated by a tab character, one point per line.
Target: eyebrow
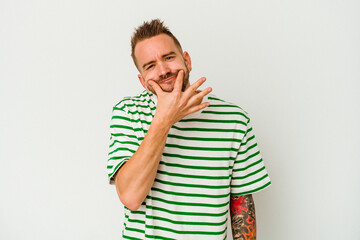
163	56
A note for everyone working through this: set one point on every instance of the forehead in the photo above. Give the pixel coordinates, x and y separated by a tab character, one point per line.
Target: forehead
154	47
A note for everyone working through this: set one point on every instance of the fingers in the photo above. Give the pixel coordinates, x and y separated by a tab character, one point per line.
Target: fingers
156	87
179	81
197	98
195	86
198	107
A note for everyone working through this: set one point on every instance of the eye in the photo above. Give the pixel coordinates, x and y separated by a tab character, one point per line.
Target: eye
150	66
169	57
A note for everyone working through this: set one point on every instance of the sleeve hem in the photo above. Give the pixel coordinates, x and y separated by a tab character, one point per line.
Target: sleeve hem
111	179
253	190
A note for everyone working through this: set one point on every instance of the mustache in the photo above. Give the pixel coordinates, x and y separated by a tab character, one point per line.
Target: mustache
168	75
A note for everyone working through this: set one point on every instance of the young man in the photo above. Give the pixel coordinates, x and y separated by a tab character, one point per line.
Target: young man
179	157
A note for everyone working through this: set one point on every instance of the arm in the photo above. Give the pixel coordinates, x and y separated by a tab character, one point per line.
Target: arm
135	178
243	221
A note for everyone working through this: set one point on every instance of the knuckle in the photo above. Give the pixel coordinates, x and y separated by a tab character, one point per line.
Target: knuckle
198	96
182	103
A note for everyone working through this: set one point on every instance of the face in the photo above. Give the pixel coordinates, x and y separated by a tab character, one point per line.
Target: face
160	60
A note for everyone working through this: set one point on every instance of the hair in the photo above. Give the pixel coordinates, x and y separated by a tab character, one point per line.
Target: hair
151	29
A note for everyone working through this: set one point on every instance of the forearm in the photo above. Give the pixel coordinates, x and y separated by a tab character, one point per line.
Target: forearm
243	220
135	178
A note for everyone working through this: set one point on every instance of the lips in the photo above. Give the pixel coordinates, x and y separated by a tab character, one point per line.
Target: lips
167	79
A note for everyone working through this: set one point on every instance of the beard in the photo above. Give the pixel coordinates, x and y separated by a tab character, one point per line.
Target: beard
169	87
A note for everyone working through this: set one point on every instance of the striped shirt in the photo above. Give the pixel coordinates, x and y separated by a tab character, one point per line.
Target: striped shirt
209	155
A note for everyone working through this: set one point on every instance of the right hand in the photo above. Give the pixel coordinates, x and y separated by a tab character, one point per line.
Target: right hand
174	106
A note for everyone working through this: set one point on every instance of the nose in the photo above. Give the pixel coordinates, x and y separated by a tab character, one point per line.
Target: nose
163	69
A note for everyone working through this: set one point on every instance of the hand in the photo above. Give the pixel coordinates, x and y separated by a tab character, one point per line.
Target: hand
174	106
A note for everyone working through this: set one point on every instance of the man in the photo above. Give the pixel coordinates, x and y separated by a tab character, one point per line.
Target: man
181	159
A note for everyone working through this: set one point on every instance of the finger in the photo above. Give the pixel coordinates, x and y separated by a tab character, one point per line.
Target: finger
193	87
156	87
197	98
198	107
179	80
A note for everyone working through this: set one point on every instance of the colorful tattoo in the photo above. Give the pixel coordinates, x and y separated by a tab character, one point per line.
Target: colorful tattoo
243	222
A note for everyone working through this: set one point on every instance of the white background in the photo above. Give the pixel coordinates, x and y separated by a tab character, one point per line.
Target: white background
293	65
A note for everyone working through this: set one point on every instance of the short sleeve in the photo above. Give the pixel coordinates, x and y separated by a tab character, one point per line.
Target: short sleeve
123	141
248	174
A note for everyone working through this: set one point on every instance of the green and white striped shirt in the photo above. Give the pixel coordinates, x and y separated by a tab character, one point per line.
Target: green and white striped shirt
208	155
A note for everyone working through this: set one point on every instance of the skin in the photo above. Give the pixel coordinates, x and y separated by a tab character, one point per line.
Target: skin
158	59
176	99
243	221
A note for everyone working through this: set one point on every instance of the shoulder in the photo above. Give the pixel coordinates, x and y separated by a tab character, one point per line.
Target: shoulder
221	107
127	103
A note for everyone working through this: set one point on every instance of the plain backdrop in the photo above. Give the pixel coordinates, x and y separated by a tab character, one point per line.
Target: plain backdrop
294	66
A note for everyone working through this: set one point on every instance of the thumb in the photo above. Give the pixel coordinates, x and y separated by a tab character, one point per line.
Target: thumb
156	87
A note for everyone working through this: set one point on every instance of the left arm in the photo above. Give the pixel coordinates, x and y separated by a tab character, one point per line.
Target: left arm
243	222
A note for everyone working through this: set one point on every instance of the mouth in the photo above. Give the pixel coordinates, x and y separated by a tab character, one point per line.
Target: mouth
168	79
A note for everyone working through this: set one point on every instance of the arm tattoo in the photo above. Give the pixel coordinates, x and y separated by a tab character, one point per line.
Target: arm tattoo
243	222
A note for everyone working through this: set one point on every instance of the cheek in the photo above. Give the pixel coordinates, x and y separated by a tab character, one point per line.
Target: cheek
149	76
181	65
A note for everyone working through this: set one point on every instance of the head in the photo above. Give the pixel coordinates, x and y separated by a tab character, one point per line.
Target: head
158	56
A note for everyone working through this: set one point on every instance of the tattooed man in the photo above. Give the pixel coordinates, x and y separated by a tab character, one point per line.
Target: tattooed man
180	157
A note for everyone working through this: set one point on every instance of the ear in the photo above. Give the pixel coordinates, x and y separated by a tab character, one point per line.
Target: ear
187	60
142	81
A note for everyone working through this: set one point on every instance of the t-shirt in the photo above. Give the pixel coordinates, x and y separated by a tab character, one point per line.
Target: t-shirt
209	155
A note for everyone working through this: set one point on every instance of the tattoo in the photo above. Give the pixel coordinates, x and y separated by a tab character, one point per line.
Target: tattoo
243	222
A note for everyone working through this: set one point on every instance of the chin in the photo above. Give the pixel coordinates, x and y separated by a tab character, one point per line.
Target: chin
168	89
